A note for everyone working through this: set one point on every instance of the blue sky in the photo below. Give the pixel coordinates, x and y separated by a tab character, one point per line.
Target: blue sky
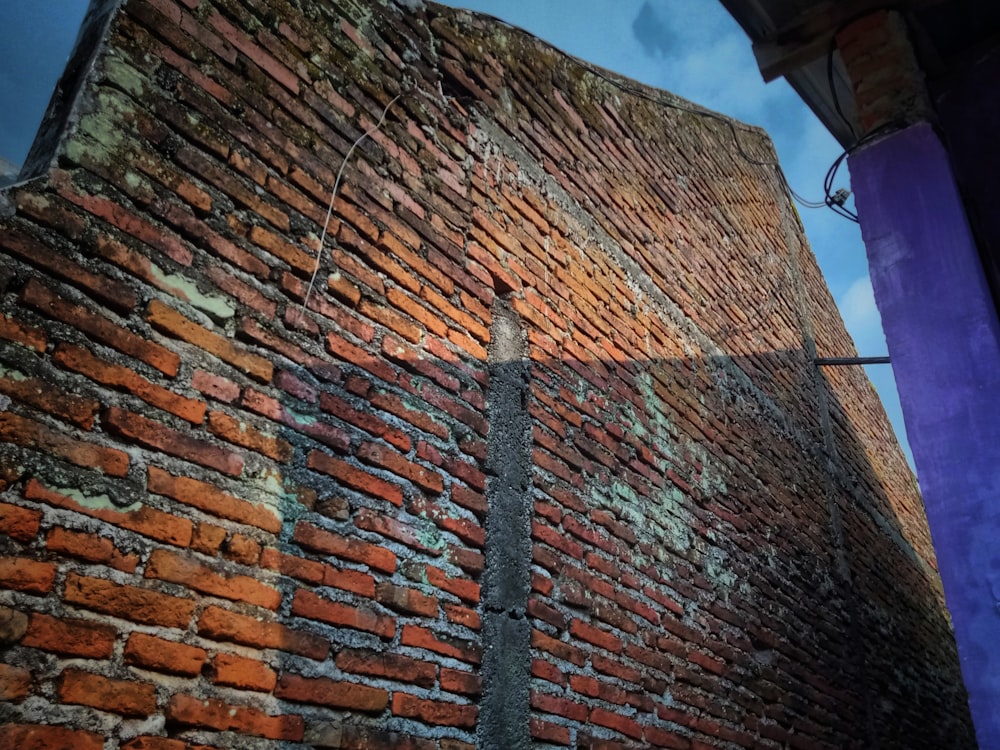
689	47
35	41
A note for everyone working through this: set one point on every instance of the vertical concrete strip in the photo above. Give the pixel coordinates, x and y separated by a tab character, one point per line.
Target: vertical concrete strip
503	718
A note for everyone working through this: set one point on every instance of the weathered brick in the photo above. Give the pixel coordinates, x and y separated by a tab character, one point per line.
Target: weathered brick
457	648
100	328
36	737
243	673
209	499
30	434
177	568
173	323
314	607
150	652
320	430
239	433
45	396
126	697
15	683
19	523
320	540
128	602
433	711
154	743
354	477
389	666
157	436
22	333
365	420
143	519
81	360
25	574
91	548
222	625
321	691
214	714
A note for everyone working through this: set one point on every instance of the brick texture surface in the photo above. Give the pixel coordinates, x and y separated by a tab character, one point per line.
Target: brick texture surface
232	518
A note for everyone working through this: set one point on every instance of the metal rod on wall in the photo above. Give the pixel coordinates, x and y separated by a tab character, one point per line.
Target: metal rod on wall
820	361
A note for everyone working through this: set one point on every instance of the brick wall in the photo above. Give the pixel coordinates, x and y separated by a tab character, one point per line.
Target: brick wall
543	460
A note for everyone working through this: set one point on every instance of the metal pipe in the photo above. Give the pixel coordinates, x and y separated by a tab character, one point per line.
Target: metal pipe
820	361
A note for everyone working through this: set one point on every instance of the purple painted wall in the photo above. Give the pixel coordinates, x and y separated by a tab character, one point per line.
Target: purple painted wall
944	339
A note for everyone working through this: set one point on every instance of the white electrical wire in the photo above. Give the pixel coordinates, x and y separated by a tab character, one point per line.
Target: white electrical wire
333	197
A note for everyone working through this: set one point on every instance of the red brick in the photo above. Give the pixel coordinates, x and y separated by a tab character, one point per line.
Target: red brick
155	435
434	712
466	529
617	722
456	648
392	528
182	569
15	683
322	431
143	520
128	602
30	434
174	324
34	737
21	333
239	433
460	681
208	538
365	420
386	458
100	328
321	691
462	616
43	395
154	743
355	478
243	673
417	417
463	588
91	548
126	697
545	670
320	540
309	571
215	386
552	704
157	654
219	624
389	666
84	638
24	574
548	732
19	523
559	649
347	352
214	714
242	549
349	580
405	599
661	738
83	361
209	499
314	607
